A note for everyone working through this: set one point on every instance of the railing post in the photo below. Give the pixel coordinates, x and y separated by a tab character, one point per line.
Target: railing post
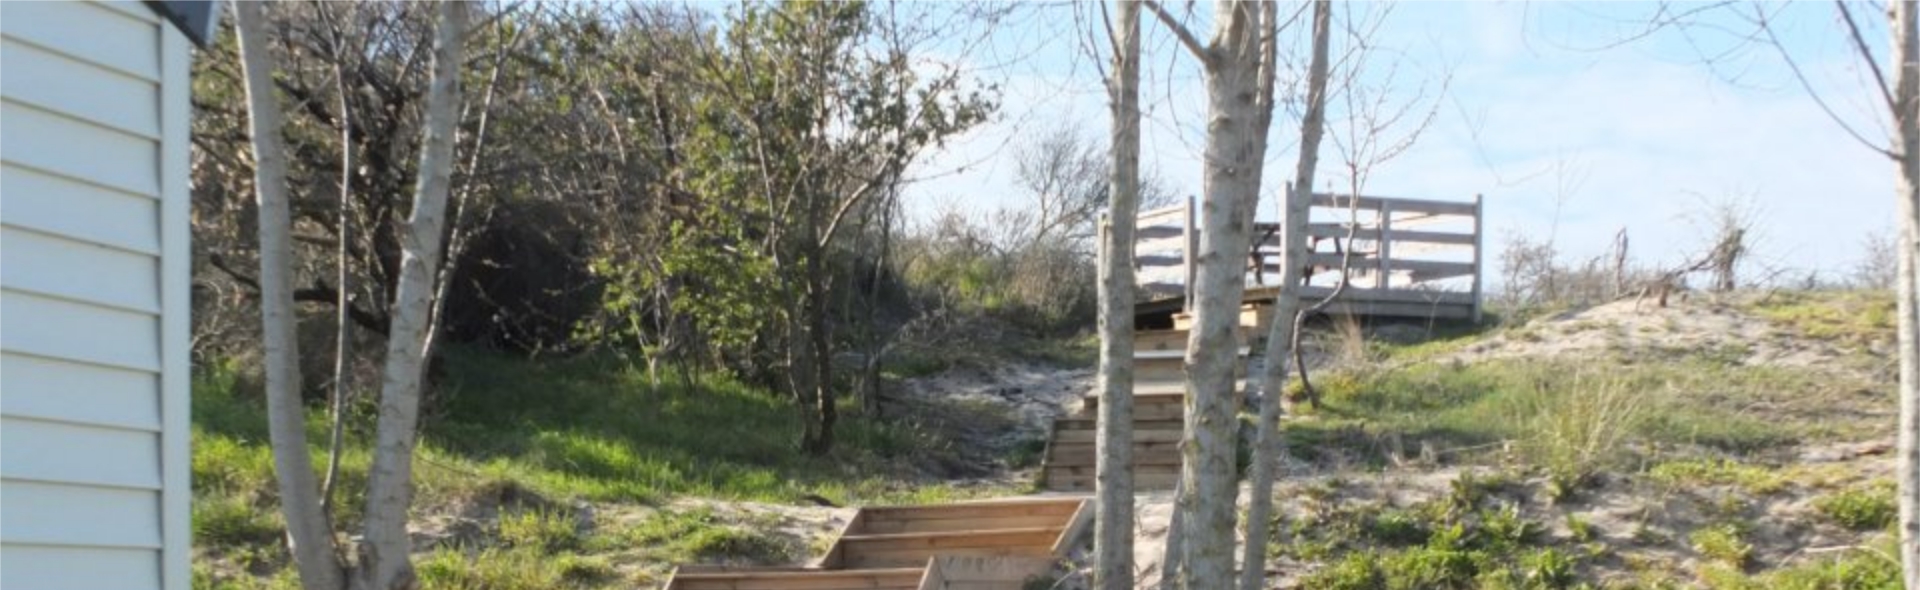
1187	252
1479	237
1384	280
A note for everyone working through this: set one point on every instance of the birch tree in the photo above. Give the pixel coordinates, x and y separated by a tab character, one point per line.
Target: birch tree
1904	100
1296	202
1239	81
309	535
1113	529
384	556
384	561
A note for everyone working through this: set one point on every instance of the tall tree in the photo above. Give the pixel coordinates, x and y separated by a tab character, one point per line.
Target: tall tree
1113	471
1239	82
384	559
1904	100
309	535
1296	203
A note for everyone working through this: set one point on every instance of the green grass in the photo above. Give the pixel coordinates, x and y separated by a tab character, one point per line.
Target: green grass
1852	317
1861	508
535	437
1725	543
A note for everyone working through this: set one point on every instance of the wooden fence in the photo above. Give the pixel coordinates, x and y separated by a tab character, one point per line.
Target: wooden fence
1401	257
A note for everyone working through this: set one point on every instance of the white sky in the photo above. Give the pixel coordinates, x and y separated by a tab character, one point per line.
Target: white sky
1563	137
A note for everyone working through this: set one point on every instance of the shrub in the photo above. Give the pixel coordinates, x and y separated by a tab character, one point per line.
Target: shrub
1861	509
1724	542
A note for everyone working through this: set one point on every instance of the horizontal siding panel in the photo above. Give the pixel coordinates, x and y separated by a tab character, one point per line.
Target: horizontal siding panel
51	265
135	10
54	514
43	326
39	566
79	150
59	83
55	205
89	32
74	453
84	394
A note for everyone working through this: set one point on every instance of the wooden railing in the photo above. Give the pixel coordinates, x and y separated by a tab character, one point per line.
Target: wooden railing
1396	253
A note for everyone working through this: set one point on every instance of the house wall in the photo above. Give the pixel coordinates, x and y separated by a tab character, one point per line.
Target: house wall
94	272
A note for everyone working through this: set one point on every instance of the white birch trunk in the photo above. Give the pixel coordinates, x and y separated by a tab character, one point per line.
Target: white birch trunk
1113	529
1905	58
1235	142
1279	350
384	559
309	536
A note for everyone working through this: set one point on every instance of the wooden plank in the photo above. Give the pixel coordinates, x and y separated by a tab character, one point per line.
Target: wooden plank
1423	270
1067	460
1140	482
1139	469
1339	231
1406	310
899	550
1390	295
1397	204
1163	260
969	572
903	578
1067	437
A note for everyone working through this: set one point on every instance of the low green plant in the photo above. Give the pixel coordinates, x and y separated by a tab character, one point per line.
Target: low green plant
1356	571
509	569
1684	473
1547	568
228	522
1864	508
1724	542
549	531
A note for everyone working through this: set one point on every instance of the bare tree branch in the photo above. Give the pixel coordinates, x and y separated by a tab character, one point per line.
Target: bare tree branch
1179	31
1866	57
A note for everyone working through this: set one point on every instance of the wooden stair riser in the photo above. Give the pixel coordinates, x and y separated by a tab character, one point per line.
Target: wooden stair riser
1170	340
908	578
888	551
1141	482
962	517
1069	459
1252	316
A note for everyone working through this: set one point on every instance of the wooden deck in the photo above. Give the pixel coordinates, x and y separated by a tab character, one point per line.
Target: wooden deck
1408	258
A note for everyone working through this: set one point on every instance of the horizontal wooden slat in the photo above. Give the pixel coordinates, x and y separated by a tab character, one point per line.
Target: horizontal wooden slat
79	271
84	152
50	389
906	578
1456	311
1389	295
1431	269
47	327
1151	260
44	566
71	453
1339	230
1084	456
112	38
880	551
1088	436
46	203
51	514
1395	203
60	83
1086	483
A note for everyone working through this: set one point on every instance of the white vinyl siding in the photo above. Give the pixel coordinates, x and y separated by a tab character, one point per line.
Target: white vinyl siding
93	298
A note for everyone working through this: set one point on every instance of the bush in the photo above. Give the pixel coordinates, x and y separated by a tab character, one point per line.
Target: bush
1860	509
1724	542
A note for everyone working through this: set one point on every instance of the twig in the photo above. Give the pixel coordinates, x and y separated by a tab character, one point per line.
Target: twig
1179	31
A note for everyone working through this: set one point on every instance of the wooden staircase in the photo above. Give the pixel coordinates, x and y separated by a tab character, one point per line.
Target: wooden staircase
990	545
1159	410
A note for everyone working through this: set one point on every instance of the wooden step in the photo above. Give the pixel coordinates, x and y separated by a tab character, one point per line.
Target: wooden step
901	578
1174	339
1252	315
960	572
968	516
1085	456
1090	424
905	549
1085	483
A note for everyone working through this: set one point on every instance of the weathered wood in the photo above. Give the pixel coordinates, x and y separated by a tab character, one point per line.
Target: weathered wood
1397	203
1339	231
692	578
958	572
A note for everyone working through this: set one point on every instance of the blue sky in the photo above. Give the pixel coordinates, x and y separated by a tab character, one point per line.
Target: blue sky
1564	135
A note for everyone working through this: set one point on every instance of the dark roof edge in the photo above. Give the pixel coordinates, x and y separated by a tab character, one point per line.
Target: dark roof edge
194	18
